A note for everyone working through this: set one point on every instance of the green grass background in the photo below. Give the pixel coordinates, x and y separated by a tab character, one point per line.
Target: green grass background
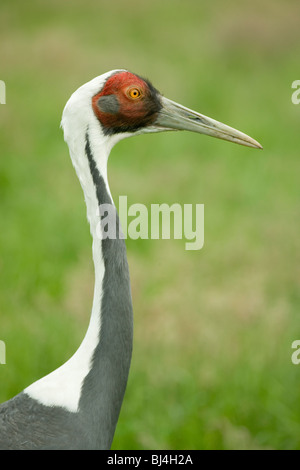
212	366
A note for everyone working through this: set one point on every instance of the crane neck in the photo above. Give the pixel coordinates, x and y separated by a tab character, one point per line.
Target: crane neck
93	382
105	384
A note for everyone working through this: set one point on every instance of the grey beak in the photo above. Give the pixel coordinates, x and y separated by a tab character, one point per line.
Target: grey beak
173	116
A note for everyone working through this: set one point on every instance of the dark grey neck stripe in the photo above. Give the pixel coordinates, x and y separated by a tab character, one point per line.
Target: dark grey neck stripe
101	192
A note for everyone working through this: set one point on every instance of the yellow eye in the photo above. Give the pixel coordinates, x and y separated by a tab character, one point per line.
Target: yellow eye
134	93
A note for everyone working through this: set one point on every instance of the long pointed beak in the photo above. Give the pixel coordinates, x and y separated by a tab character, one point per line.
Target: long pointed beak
173	116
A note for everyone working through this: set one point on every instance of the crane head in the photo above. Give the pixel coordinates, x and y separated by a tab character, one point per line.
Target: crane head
128	103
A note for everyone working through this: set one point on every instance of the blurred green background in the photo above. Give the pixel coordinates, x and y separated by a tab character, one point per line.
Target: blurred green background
212	365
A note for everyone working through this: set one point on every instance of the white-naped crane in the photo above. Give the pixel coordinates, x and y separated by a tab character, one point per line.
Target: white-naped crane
77	406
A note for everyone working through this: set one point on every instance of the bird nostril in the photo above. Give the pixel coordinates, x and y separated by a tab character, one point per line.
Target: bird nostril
196	118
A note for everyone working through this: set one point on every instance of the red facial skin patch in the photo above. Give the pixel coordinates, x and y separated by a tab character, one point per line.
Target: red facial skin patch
136	103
